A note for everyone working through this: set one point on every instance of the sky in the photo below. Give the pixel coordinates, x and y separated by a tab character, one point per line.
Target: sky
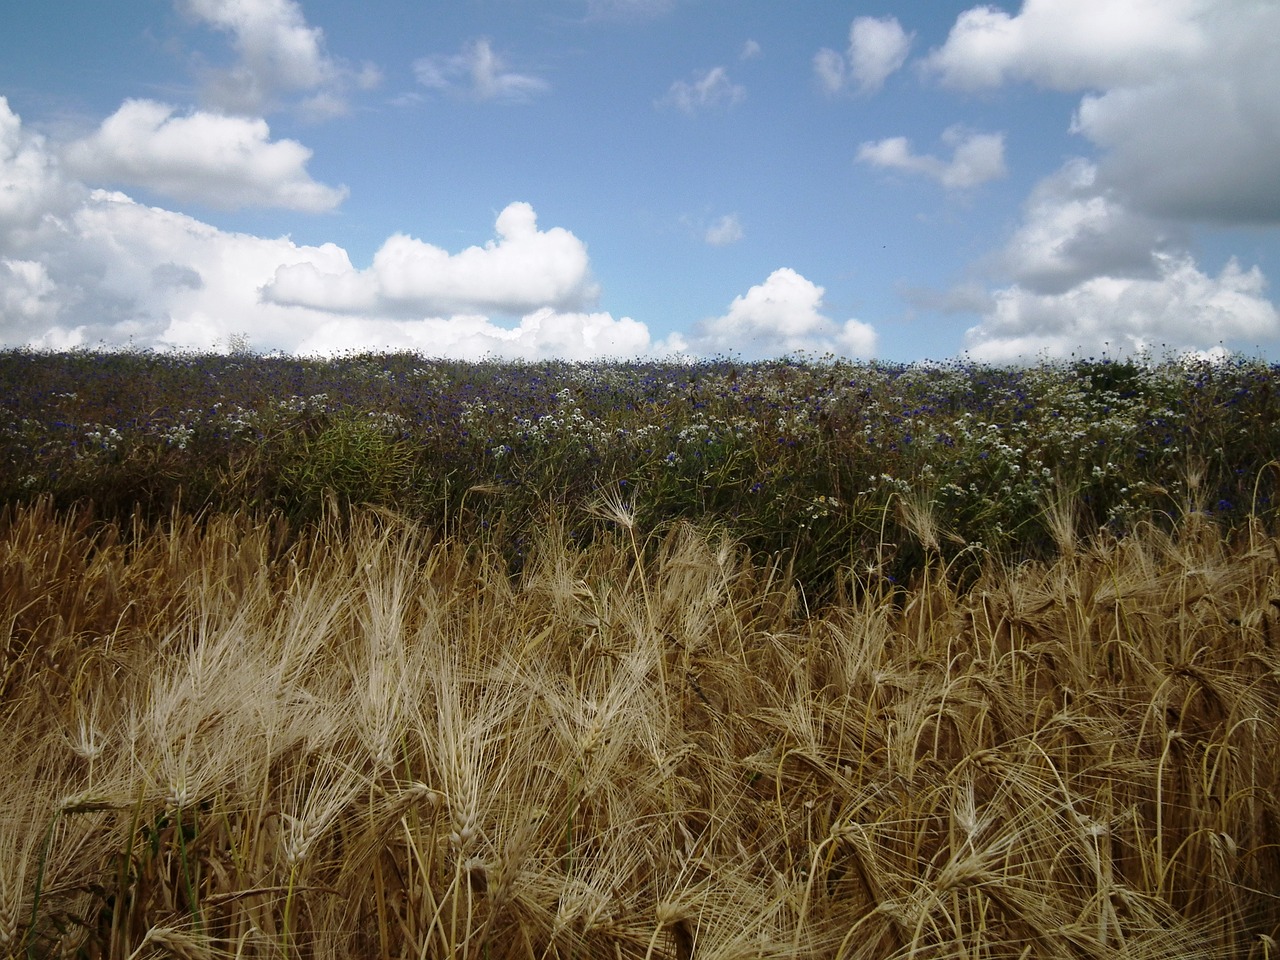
526	179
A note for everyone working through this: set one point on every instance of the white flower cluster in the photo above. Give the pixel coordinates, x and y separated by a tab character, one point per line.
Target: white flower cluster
386	422
178	435
103	438
822	506
301	406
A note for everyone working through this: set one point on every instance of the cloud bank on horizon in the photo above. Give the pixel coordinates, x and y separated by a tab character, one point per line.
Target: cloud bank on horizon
1150	226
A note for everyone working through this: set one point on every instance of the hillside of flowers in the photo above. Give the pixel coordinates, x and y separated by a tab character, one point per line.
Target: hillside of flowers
836	465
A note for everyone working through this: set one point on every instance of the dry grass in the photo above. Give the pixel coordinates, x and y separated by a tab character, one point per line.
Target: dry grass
221	742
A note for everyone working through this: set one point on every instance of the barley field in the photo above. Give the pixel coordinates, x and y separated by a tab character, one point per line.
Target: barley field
260	699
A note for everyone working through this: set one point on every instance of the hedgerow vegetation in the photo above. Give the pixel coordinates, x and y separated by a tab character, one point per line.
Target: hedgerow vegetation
814	460
388	657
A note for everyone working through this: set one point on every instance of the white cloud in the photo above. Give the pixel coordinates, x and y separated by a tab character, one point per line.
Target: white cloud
1182	309
479	73
83	268
877	49
829	66
26	298
1074	230
782	315
1090	275
1071	44
127	273
115	271
1180	95
543	333
976	158
221	161
279	54
1181	98
31	184
523	270
726	230
1201	144
708	89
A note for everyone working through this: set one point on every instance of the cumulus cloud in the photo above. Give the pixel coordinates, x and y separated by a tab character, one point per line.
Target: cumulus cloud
726	230
279	54
477	72
1089	274
1202	145
1180	95
1070	44
128	273
782	315
877	49
707	90
222	161
81	267
1182	309
31	184
976	158
26	299
116	272
1073	229
523	270
543	333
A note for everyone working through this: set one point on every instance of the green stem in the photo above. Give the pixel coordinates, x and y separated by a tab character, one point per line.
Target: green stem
35	901
186	869
120	913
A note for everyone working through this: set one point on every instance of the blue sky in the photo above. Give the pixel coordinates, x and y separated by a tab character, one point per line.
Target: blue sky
584	178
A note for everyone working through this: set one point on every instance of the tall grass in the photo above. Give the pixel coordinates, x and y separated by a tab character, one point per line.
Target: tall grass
222	738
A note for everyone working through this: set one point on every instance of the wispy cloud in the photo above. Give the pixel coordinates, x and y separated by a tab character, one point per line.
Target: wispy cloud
976	158
726	230
877	49
708	89
478	72
279	56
